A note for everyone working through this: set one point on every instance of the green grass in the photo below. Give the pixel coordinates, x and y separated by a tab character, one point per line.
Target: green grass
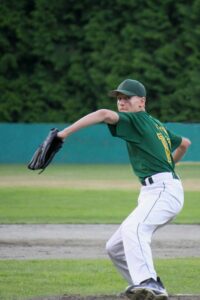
188	170
22	200
70	171
25	279
88	172
47	205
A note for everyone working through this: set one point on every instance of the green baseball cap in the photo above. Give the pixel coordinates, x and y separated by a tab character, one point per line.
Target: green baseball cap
130	87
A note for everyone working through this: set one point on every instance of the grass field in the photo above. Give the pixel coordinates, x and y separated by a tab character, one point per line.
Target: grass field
84	194
117	177
55	205
25	279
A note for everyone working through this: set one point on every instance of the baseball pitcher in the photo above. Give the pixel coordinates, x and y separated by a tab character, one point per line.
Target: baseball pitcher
153	151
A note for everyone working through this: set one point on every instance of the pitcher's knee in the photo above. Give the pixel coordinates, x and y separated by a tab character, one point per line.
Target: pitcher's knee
109	248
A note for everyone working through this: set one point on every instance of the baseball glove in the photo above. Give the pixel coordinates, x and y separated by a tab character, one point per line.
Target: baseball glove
46	151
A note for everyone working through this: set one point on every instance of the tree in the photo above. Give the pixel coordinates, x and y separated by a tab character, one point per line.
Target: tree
59	59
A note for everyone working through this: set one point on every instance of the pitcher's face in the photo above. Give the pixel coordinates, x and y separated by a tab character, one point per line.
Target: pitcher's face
130	104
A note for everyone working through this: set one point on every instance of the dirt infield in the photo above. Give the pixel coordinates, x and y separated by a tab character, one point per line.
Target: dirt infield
88	241
190	184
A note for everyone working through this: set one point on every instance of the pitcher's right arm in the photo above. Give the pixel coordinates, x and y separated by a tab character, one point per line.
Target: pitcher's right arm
102	115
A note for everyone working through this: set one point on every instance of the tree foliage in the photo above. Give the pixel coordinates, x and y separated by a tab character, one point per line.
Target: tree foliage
60	58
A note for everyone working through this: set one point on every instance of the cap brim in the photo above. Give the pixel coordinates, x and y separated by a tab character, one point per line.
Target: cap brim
114	93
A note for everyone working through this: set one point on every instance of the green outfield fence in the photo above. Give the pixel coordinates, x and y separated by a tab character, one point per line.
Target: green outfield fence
90	145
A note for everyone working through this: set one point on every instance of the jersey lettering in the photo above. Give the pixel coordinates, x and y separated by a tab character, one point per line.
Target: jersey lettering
165	144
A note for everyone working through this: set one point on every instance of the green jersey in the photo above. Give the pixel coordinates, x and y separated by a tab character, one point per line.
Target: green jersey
150	144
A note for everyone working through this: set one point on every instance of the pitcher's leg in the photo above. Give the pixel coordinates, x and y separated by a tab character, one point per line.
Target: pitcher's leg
157	206
115	250
136	241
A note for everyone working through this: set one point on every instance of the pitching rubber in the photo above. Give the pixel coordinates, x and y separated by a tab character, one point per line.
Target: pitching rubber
145	294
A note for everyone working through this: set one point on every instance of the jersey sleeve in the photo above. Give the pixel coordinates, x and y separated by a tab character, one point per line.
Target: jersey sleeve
127	128
175	140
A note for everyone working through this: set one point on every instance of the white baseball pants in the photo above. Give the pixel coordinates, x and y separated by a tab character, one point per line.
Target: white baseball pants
129	247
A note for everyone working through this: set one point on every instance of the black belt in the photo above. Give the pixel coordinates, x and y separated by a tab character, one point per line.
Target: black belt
150	179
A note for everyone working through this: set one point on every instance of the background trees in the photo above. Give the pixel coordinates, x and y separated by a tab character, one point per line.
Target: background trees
60	58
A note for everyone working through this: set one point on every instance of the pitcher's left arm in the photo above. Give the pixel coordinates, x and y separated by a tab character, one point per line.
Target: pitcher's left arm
181	150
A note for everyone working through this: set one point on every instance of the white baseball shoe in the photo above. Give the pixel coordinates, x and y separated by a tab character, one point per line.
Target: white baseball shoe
149	289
